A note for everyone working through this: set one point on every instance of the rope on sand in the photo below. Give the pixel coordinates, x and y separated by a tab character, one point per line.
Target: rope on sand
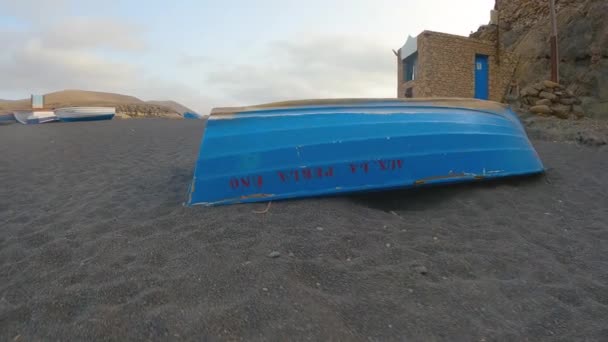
263	211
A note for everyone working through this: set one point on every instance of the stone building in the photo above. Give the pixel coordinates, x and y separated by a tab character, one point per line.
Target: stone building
444	65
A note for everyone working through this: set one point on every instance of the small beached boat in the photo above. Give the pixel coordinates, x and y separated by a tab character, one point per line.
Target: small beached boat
85	113
190	115
28	117
326	147
7	118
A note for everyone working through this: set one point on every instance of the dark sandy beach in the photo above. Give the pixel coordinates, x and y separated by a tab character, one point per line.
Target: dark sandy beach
96	245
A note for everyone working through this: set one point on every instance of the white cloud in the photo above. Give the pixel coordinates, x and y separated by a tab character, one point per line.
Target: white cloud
189	61
65	54
41	69
92	32
334	66
55	51
34	10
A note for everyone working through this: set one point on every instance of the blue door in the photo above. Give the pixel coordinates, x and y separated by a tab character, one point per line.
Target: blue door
481	77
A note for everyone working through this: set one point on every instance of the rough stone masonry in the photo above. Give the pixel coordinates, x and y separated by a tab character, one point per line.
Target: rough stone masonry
550	98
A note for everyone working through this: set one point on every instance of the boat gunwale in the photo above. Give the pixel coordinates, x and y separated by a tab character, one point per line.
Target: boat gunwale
450	103
267	131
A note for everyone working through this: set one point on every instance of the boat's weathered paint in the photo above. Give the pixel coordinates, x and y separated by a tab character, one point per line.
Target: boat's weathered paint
311	148
71	114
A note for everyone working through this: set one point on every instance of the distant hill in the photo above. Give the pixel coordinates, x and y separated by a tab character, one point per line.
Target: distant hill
14	104
173	105
81	97
126	106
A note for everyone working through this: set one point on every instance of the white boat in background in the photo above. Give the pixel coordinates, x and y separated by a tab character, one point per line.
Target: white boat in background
28	117
7	118
85	113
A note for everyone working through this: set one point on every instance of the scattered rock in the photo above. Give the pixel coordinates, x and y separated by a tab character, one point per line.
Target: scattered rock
597	109
547	95
538	86
542	109
560	110
578	111
567	101
543	102
274	254
591	139
551	84
529	100
420	269
529	91
561	115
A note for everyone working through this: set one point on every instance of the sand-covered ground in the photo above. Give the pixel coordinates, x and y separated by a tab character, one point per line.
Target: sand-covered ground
96	245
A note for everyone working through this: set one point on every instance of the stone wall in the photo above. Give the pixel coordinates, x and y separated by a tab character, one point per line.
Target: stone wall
127	111
446	67
550	98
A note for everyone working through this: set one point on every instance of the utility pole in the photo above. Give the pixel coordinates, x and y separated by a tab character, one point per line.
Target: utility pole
554	52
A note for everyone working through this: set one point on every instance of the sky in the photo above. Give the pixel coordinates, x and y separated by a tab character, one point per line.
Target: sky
207	54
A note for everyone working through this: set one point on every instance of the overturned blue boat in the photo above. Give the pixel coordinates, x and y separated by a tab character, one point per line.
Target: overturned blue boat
327	147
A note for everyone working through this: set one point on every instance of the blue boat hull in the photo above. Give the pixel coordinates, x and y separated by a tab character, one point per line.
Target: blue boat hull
188	115
87	118
272	153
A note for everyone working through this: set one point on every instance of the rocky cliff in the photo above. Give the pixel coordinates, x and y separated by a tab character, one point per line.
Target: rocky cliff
524	28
